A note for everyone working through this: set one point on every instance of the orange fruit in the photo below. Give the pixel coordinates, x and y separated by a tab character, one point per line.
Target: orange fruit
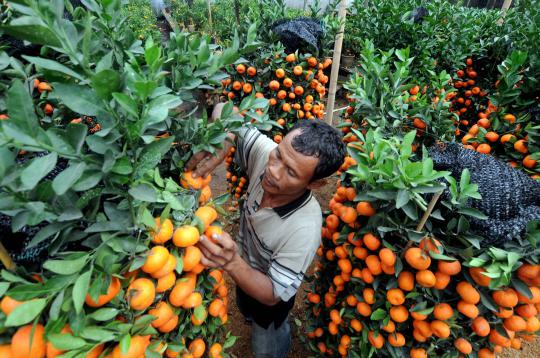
180	292
387	257
374	264
467	309
506	298
251	71
527	310
364	309
112	291
486	353
481	326
417	259
162	312
441	280
510	118
137	347
528	162
467	292
418	353
515	323
290	58
193	300
356	325
396	339
449	267
188	182
426	278
443	311
399	314
496	338
215	350
165	282
478	276
197	347
395	296
369	295
21	340
185	236
463	345
156	259
423	327
192	257
484	148
167	268
371	241
406	281
492	137
8	304
521	146
215	308
274	85
5	351
376	339
280	73
164	231
429	244
207	215
241	69
440	329
364	208
169	325
141	293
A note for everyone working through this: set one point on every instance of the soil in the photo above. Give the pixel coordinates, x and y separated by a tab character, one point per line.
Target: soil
238	326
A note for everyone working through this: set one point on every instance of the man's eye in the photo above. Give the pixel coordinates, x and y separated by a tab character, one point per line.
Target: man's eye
291	173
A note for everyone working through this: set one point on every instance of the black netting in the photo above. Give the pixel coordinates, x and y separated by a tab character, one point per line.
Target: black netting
418	14
303	34
510	198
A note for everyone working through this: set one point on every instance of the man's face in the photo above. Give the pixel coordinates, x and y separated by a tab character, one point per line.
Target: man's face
288	171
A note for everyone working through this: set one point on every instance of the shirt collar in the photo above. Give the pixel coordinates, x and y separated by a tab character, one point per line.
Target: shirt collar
285	210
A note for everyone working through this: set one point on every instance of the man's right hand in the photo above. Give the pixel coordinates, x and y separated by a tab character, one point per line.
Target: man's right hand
204	163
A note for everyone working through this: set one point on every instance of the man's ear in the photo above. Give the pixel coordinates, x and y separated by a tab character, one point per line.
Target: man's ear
317	184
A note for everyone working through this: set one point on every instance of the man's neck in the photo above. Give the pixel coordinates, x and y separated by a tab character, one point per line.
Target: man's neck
275	201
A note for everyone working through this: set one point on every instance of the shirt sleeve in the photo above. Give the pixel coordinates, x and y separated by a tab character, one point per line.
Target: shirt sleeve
251	147
289	265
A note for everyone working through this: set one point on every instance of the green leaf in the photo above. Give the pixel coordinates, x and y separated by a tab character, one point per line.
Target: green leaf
39	167
106	82
144	192
82	100
522	288
65	341
125	342
76	135
31	29
200	312
66	267
3	288
80	289
104	314
25	312
378	314
151	155
127	103
402	198
53	66
65	180
21	108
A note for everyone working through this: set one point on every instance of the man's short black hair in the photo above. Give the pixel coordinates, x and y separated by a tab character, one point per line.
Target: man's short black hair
321	140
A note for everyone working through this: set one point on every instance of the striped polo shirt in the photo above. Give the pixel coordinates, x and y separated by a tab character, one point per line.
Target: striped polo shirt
280	242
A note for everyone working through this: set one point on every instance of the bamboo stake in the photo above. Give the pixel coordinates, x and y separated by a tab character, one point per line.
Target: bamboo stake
6	259
506	5
428	211
342	14
209	14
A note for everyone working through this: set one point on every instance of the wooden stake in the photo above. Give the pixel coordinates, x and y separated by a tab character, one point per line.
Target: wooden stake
428	211
342	14
6	259
210	15
506	5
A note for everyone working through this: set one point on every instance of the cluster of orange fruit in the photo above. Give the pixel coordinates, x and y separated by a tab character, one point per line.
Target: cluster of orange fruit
483	128
237	182
294	86
409	302
154	289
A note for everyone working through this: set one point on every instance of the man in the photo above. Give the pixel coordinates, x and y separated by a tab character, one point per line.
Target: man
280	224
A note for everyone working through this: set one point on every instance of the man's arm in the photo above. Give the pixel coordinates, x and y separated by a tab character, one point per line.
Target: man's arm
224	254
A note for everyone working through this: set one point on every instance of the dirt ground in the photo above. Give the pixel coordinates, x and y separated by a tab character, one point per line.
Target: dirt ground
242	347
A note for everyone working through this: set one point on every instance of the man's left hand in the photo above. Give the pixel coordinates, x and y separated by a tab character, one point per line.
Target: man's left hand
218	251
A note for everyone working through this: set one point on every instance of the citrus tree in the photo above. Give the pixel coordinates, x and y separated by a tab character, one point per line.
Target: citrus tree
401	273
94	135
